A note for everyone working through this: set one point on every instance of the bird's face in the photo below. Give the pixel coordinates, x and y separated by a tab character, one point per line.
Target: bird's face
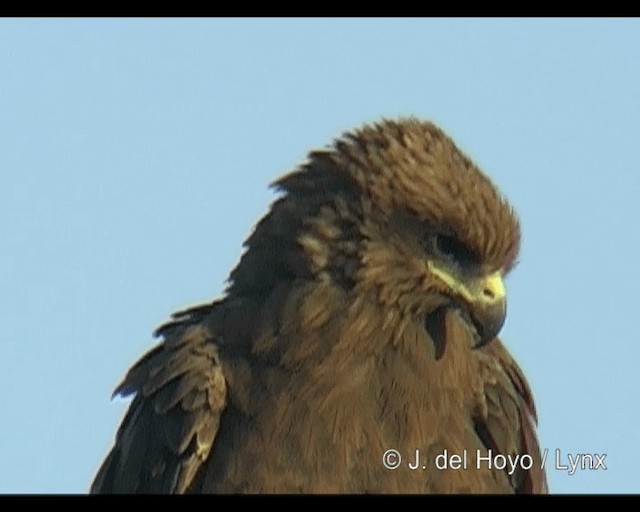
425	271
435	234
456	273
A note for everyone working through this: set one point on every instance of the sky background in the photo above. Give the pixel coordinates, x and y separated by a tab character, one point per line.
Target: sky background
135	158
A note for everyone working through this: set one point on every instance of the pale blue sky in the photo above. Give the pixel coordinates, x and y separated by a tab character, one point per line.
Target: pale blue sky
135	157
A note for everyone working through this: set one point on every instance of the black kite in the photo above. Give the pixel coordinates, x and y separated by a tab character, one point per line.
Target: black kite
362	317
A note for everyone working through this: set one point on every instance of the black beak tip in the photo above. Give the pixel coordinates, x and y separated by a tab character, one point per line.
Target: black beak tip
489	322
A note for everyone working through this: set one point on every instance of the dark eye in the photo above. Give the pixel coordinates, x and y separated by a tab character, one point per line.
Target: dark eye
449	248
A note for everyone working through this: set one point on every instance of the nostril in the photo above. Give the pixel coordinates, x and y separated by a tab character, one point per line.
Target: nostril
488	293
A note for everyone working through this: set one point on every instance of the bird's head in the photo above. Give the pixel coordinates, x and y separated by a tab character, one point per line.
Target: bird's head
397	213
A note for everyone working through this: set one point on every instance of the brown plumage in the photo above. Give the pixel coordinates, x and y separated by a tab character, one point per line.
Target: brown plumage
362	317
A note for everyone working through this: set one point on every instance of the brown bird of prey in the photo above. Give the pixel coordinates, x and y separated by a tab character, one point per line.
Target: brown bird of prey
355	349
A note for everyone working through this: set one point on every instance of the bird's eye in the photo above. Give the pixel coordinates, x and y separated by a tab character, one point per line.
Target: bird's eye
449	248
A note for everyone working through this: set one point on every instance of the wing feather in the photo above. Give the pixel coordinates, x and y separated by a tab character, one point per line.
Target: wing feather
507	424
173	420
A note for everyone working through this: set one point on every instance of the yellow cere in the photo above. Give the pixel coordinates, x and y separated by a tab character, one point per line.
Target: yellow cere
486	289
